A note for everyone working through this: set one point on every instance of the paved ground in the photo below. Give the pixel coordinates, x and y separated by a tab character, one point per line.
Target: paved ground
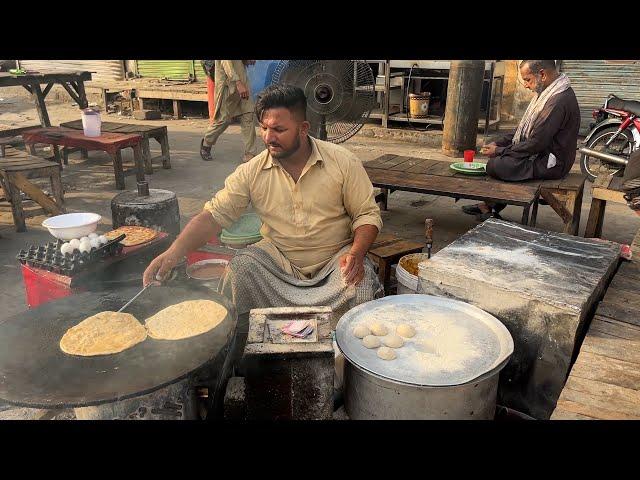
90	186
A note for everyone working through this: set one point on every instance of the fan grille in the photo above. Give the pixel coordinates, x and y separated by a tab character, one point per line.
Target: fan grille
340	94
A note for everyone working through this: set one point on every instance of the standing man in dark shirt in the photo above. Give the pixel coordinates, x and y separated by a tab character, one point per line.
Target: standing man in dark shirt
544	145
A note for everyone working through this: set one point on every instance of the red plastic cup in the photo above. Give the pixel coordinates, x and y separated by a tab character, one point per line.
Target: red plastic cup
468	155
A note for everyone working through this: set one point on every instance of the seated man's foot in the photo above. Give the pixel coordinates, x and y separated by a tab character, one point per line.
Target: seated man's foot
472	209
477	209
205	152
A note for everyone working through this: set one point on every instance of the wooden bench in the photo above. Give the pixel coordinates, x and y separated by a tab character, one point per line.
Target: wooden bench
16	167
387	250
605	189
565	197
604	382
111	143
157	132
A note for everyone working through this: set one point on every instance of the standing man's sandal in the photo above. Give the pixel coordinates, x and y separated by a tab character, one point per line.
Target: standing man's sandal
205	152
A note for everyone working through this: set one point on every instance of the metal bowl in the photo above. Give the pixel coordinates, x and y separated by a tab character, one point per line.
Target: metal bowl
212	279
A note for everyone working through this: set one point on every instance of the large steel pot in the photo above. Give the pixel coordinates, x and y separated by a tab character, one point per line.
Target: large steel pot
422	383
370	397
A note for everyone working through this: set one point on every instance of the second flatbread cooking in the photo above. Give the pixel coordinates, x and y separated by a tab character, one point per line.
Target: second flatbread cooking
185	319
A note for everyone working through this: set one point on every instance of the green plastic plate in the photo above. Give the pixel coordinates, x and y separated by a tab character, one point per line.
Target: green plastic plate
475	168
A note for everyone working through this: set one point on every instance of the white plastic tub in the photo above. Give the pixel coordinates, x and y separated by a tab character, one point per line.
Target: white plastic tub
72	225
91	123
408	283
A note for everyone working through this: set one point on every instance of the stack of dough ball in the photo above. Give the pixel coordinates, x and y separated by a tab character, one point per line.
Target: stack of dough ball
405	330
371	341
378	328
386	353
393	341
361	331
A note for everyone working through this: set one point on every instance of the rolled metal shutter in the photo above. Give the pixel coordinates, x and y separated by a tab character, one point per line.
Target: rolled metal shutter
593	80
103	70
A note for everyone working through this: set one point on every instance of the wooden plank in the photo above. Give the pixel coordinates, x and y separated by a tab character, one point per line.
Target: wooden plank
407	164
615	328
608	195
596	218
172	95
614	347
573	181
393	249
609	401
626	314
20	181
462	187
557	206
622	297
380	161
603	369
602	181
561	414
588	407
422	167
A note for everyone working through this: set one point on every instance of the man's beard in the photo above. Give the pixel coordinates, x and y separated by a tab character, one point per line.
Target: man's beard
287	153
539	86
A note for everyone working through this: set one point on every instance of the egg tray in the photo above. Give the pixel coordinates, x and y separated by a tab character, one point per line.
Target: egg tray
48	256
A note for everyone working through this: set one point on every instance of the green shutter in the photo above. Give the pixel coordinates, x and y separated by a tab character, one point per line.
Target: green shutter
172	69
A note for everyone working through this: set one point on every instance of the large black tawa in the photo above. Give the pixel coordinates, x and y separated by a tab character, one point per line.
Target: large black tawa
34	372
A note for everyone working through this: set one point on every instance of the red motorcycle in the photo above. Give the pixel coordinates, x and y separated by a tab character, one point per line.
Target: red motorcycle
613	137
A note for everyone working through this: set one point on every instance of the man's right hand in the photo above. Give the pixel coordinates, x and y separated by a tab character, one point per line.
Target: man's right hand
160	267
242	90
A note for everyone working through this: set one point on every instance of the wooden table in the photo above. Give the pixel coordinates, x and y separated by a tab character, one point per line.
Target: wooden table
16	167
605	188
434	177
71	81
157	132
111	143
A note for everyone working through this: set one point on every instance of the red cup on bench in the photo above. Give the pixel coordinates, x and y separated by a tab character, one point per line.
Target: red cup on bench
468	155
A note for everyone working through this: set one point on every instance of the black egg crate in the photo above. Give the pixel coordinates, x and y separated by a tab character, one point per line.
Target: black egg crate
49	257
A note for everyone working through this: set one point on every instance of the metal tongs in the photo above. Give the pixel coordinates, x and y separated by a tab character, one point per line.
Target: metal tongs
136	296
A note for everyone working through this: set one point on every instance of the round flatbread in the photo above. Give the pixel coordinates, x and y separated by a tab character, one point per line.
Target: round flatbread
134	235
104	333
185	319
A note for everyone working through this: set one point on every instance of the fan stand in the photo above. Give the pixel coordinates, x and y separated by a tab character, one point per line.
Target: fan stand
322	130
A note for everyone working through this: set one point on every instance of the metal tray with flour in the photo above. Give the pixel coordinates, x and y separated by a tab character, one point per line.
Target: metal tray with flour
456	347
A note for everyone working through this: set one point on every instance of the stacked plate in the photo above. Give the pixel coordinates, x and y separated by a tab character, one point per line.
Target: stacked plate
244	232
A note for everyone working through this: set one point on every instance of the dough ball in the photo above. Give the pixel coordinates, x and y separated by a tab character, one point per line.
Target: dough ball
95	243
361	331
75	243
405	330
393	341
66	248
378	328
84	239
103	239
386	353
92	235
371	341
85	247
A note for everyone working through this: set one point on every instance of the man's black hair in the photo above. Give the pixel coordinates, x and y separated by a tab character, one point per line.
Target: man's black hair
282	96
536	65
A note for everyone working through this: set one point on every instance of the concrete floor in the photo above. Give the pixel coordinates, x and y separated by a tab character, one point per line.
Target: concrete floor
90	186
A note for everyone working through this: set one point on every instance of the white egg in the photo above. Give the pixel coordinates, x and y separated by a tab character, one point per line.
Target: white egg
84	239
75	243
103	239
66	248
92	235
95	243
85	247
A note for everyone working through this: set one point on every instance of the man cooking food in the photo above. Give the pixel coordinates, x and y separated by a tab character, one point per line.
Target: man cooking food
544	144
319	219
